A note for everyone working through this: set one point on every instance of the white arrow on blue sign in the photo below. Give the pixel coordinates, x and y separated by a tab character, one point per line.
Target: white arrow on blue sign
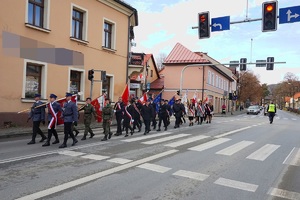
289	15
220	23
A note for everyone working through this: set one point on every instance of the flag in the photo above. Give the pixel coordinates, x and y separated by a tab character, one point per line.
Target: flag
125	95
99	103
195	98
157	100
60	120
144	98
172	101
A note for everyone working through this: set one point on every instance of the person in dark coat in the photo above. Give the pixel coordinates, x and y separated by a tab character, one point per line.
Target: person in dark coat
37	115
153	115
119	112
209	109
169	110
137	114
128	118
178	110
70	115
147	112
53	109
163	114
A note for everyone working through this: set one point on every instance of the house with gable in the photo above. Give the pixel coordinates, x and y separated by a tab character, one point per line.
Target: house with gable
204	81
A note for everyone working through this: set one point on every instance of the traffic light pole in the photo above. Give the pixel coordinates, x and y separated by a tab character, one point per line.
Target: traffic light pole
91	91
202	65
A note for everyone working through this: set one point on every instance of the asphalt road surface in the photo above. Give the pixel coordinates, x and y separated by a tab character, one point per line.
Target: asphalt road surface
239	157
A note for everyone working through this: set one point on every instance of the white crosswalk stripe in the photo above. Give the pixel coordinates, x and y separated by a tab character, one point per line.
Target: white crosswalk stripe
119	160
186	141
264	152
71	153
276	192
146	137
210	144
293	158
166	138
236	184
155	168
191	175
235	148
95	157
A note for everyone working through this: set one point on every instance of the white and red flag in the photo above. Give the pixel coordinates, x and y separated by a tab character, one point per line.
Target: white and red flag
125	94
99	103
144	98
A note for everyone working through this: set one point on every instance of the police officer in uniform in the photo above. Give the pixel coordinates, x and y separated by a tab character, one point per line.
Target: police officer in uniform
89	112
70	115
137	114
169	110
162	114
271	110
53	109
153	115
178	110
119	112
37	115
147	111
107	115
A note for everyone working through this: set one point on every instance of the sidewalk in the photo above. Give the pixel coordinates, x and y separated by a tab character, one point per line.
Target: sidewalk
27	131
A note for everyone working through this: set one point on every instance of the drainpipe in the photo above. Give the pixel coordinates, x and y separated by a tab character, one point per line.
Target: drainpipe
203	83
128	50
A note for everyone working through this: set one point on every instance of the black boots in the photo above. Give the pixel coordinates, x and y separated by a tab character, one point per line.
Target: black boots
31	142
92	135
105	138
83	138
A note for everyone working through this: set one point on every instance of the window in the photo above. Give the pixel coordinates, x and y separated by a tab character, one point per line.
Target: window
33	80
77	24
107	35
217	81
75	82
213	79
36	13
106	86
151	73
208	79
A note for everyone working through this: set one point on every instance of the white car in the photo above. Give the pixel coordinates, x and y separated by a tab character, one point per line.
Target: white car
253	110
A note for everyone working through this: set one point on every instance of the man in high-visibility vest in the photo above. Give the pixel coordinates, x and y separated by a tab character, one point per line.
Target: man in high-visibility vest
271	110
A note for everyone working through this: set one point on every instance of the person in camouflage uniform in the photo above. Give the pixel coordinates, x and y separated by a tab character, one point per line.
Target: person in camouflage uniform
89	110
107	115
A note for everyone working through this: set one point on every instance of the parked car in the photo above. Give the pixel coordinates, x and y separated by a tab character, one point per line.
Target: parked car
253	110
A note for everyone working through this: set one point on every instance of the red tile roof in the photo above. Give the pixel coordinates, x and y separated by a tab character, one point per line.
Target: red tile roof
181	54
297	95
158	84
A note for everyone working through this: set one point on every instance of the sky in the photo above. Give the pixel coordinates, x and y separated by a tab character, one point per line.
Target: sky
163	23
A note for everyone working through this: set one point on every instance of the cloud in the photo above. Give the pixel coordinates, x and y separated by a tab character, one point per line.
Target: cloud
157	38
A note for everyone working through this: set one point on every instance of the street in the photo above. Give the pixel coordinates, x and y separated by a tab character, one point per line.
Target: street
238	157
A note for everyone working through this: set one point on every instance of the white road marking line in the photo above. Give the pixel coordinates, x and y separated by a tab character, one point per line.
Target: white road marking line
48	153
293	158
294	119
285	118
95	157
166	139
155	168
264	152
186	141
146	137
210	144
236	184
284	194
235	148
191	175
119	160
93	177
71	153
231	132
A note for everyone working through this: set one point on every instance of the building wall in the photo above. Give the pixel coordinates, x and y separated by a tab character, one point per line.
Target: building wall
56	77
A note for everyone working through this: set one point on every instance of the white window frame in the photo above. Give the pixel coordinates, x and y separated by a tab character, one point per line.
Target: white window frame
43	77
46	22
114	31
213	79
217	81
208	77
85	22
82	81
112	83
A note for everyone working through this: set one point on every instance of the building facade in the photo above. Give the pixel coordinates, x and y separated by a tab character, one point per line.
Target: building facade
204	81
48	46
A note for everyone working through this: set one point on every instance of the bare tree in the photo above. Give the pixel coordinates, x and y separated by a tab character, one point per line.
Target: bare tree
160	60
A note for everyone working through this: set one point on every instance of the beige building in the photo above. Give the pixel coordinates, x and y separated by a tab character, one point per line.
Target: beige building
207	80
48	46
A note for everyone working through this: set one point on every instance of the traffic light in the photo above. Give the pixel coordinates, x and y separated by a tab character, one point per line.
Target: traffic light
203	25
178	92
270	66
91	74
243	65
103	75
269	16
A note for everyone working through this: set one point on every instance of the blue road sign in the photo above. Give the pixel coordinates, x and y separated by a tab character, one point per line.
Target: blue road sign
220	23
289	15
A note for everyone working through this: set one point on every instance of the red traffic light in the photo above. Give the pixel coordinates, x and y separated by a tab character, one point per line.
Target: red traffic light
202	18
270	8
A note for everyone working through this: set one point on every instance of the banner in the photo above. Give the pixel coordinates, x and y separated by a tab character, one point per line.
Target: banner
98	104
60	120
157	100
144	98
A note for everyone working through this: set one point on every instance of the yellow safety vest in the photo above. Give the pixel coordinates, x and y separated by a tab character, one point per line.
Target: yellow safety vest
271	108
